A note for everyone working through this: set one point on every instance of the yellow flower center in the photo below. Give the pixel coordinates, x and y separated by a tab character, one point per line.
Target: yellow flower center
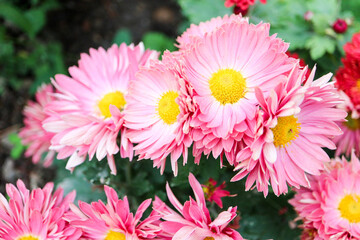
352	124
28	237
114	98
286	130
227	86
167	107
349	208
358	83
209	238
115	236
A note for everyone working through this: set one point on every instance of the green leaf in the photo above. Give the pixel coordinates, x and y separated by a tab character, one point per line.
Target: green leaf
319	45
329	8
18	147
158	41
321	23
36	18
14	15
203	10
122	36
352	5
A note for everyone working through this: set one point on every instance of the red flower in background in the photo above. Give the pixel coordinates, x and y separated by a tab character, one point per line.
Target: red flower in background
348	76
340	26
352	49
348	79
243	4
213	193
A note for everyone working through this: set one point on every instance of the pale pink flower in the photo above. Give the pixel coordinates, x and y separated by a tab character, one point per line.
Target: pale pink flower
294	123
193	220
35	215
87	117
33	134
113	220
199	31
224	83
330	208
156	113
351	129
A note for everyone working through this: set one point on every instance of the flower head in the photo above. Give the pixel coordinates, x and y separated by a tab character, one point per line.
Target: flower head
352	49
88	115
33	133
330	209
157	120
198	31
348	80
214	193
243	4
113	220
288	140
193	220
35	215
340	26
224	83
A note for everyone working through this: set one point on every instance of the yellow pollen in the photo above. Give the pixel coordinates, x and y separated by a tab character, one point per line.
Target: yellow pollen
358	83
115	236
352	124
209	238
28	237
167	107
227	86
349	208
286	130
114	98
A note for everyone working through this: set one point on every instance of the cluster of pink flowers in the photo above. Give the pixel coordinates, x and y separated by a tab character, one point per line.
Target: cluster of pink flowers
43	215
229	91
348	82
330	209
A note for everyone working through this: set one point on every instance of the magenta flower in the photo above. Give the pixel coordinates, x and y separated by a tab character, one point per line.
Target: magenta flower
192	220
214	193
35	215
294	123
113	220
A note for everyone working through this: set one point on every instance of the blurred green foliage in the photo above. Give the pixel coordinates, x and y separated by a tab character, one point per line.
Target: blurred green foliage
23	55
18	148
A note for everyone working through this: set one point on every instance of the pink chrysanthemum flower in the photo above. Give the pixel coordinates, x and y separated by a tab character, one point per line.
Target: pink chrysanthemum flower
35	215
194	220
294	122
214	193
351	129
330	209
113	220
155	114
33	133
88	116
224	83
199	31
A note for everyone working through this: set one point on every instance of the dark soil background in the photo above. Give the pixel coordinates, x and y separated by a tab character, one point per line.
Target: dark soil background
78	25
